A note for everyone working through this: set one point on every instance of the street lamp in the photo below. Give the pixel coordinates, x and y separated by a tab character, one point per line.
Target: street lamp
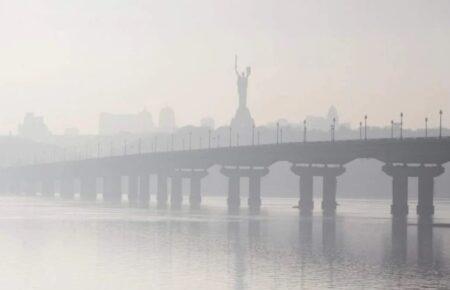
426	127
401	125
190	141
360	130
278	128
334	128
281	135
304	130
365	127
440	124
209	139
392	129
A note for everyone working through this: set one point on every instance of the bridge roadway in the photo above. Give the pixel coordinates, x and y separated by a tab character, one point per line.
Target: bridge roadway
408	157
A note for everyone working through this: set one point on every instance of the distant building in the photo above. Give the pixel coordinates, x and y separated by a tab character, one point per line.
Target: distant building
207	122
167	120
33	127
110	124
71	132
323	123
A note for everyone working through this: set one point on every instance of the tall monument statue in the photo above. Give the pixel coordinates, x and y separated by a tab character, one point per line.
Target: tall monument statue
242	83
242	123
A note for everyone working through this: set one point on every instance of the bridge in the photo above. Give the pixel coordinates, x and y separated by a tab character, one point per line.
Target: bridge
403	158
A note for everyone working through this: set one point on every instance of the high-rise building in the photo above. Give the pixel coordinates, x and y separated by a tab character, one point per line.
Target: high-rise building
33	127
167	120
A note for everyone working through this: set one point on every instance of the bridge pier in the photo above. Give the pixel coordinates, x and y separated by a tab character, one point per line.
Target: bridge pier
48	188
88	188
176	196
67	188
112	191
144	191
254	190
195	178
195	195
426	175
399	174
133	190
161	193
306	186
29	187
234	175
330	175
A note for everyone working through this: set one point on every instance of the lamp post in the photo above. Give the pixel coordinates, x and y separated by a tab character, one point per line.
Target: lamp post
392	129
304	130
440	124
360	130
334	128
426	127
278	128
258	136
209	139
190	141
401	126
365	127
281	135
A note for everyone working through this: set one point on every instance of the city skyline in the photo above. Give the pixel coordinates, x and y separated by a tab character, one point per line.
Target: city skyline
378	59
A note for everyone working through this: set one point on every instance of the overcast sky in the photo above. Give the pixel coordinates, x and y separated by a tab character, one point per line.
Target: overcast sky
70	60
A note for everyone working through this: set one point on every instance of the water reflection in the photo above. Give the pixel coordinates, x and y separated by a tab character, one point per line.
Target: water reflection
211	249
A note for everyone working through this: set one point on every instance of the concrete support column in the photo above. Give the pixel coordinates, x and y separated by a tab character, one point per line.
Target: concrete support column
176	196
195	197
161	194
67	188
306	202
329	194
112	191
254	192
330	175
132	190
30	187
234	198
48	188
426	177
88	188
306	187
144	191
399	176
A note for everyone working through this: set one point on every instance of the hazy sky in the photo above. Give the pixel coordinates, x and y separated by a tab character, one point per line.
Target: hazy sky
70	60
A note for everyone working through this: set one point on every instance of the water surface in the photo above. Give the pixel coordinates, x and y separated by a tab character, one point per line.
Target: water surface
70	245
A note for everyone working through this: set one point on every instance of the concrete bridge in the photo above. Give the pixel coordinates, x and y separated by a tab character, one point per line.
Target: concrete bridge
409	157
